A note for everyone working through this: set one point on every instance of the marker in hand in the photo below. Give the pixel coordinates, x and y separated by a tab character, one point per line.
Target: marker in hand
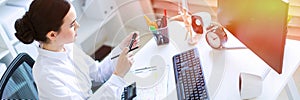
132	41
130	45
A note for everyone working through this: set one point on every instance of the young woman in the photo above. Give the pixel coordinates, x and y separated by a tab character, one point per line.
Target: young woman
62	71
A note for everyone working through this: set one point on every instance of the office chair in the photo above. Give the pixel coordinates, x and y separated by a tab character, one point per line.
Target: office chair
17	81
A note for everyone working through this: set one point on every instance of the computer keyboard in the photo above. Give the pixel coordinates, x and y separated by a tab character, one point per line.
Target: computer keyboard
190	82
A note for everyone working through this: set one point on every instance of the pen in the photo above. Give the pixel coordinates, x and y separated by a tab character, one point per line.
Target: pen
149	22
119	54
152	28
165	12
164	19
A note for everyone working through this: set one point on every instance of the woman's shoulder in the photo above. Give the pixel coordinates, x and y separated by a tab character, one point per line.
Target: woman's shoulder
47	64
46	68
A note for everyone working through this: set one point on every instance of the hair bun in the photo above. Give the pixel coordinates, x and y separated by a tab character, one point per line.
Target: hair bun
24	29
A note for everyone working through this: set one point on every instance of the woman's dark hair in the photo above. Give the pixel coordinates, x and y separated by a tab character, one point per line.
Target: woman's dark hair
43	16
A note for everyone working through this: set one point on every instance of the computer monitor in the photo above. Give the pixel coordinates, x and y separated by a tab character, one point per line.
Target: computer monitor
261	25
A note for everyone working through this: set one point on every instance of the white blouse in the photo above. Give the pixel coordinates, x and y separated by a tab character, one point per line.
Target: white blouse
68	75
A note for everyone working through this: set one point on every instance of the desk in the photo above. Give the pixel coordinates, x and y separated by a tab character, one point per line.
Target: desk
221	67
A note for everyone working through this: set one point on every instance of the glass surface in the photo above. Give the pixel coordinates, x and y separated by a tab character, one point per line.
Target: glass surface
157	81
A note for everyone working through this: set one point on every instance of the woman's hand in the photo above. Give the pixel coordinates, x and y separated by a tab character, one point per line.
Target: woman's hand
125	42
124	63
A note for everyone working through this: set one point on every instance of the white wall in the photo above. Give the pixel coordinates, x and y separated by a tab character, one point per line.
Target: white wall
132	14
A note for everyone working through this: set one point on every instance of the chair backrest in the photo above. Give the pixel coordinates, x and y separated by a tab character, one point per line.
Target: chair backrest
17	81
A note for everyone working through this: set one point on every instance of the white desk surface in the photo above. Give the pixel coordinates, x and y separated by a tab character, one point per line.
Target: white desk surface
221	68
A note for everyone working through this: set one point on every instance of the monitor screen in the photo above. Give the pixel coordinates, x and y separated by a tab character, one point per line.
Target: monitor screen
261	25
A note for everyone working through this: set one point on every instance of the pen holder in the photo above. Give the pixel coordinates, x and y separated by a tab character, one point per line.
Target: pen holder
161	35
